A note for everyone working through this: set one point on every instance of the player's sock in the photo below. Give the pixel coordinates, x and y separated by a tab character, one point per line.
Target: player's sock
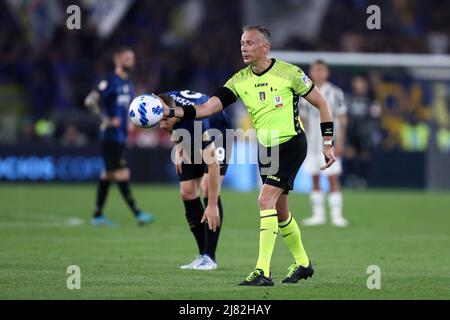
292	237
335	203
102	193
124	187
267	237
350	167
365	164
211	237
194	213
317	202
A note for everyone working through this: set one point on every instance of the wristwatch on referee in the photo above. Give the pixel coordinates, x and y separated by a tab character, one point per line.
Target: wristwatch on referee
328	143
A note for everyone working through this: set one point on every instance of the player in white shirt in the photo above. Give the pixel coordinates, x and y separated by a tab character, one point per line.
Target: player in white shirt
319	73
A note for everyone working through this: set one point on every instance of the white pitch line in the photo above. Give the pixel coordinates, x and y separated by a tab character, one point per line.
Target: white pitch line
55	222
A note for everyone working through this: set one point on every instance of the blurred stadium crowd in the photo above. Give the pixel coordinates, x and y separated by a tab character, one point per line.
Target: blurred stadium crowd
46	70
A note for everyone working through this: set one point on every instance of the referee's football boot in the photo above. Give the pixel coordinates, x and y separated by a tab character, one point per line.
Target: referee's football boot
297	273
257	279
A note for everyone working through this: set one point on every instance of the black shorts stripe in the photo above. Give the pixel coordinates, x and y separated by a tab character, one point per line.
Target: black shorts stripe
296	119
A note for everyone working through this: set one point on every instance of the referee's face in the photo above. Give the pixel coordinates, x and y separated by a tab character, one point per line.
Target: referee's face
253	47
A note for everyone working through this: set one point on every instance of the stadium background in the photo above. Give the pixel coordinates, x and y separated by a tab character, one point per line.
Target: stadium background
46	135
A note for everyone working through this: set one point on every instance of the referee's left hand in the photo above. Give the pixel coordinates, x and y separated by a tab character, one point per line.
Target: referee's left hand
329	157
211	216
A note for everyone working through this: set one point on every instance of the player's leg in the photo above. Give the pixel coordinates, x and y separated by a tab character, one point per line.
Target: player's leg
364	161
190	180
122	177
351	163
104	183
289	230
102	193
312	165
335	201
317	200
211	237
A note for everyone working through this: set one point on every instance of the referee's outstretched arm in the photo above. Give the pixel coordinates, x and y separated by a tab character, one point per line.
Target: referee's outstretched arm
222	98
212	106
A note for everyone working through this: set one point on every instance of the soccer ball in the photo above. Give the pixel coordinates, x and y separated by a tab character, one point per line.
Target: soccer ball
146	110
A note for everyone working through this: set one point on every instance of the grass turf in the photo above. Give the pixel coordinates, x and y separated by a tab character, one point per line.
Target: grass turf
405	233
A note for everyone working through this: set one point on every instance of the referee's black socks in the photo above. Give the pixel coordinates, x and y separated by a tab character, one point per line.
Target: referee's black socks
211	237
124	187
194	213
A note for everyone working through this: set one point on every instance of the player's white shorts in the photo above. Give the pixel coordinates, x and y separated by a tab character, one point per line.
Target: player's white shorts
314	161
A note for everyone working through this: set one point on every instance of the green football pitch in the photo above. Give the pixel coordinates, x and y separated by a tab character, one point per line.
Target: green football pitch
45	228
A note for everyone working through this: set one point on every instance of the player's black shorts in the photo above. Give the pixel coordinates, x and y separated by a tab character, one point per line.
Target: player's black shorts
291	155
195	171
113	154
358	135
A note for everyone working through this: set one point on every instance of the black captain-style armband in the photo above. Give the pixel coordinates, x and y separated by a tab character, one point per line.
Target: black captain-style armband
189	113
327	129
225	95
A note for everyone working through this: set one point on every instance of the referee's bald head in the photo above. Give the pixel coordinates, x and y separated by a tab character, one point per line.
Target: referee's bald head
265	34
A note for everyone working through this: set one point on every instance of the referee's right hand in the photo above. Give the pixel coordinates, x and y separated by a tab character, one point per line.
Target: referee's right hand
329	157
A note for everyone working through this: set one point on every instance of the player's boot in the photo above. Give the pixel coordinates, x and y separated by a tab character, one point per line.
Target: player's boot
144	218
191	265
339	222
297	273
313	221
102	221
206	263
257	279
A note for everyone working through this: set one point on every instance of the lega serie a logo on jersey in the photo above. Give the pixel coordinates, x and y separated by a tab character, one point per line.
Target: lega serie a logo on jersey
306	80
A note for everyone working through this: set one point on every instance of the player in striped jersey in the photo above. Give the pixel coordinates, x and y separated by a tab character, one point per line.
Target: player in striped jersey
314	160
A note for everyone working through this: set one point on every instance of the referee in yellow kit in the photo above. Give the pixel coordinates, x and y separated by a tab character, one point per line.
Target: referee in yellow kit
270	90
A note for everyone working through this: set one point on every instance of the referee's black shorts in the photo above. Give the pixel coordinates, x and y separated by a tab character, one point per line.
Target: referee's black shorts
113	154
291	155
